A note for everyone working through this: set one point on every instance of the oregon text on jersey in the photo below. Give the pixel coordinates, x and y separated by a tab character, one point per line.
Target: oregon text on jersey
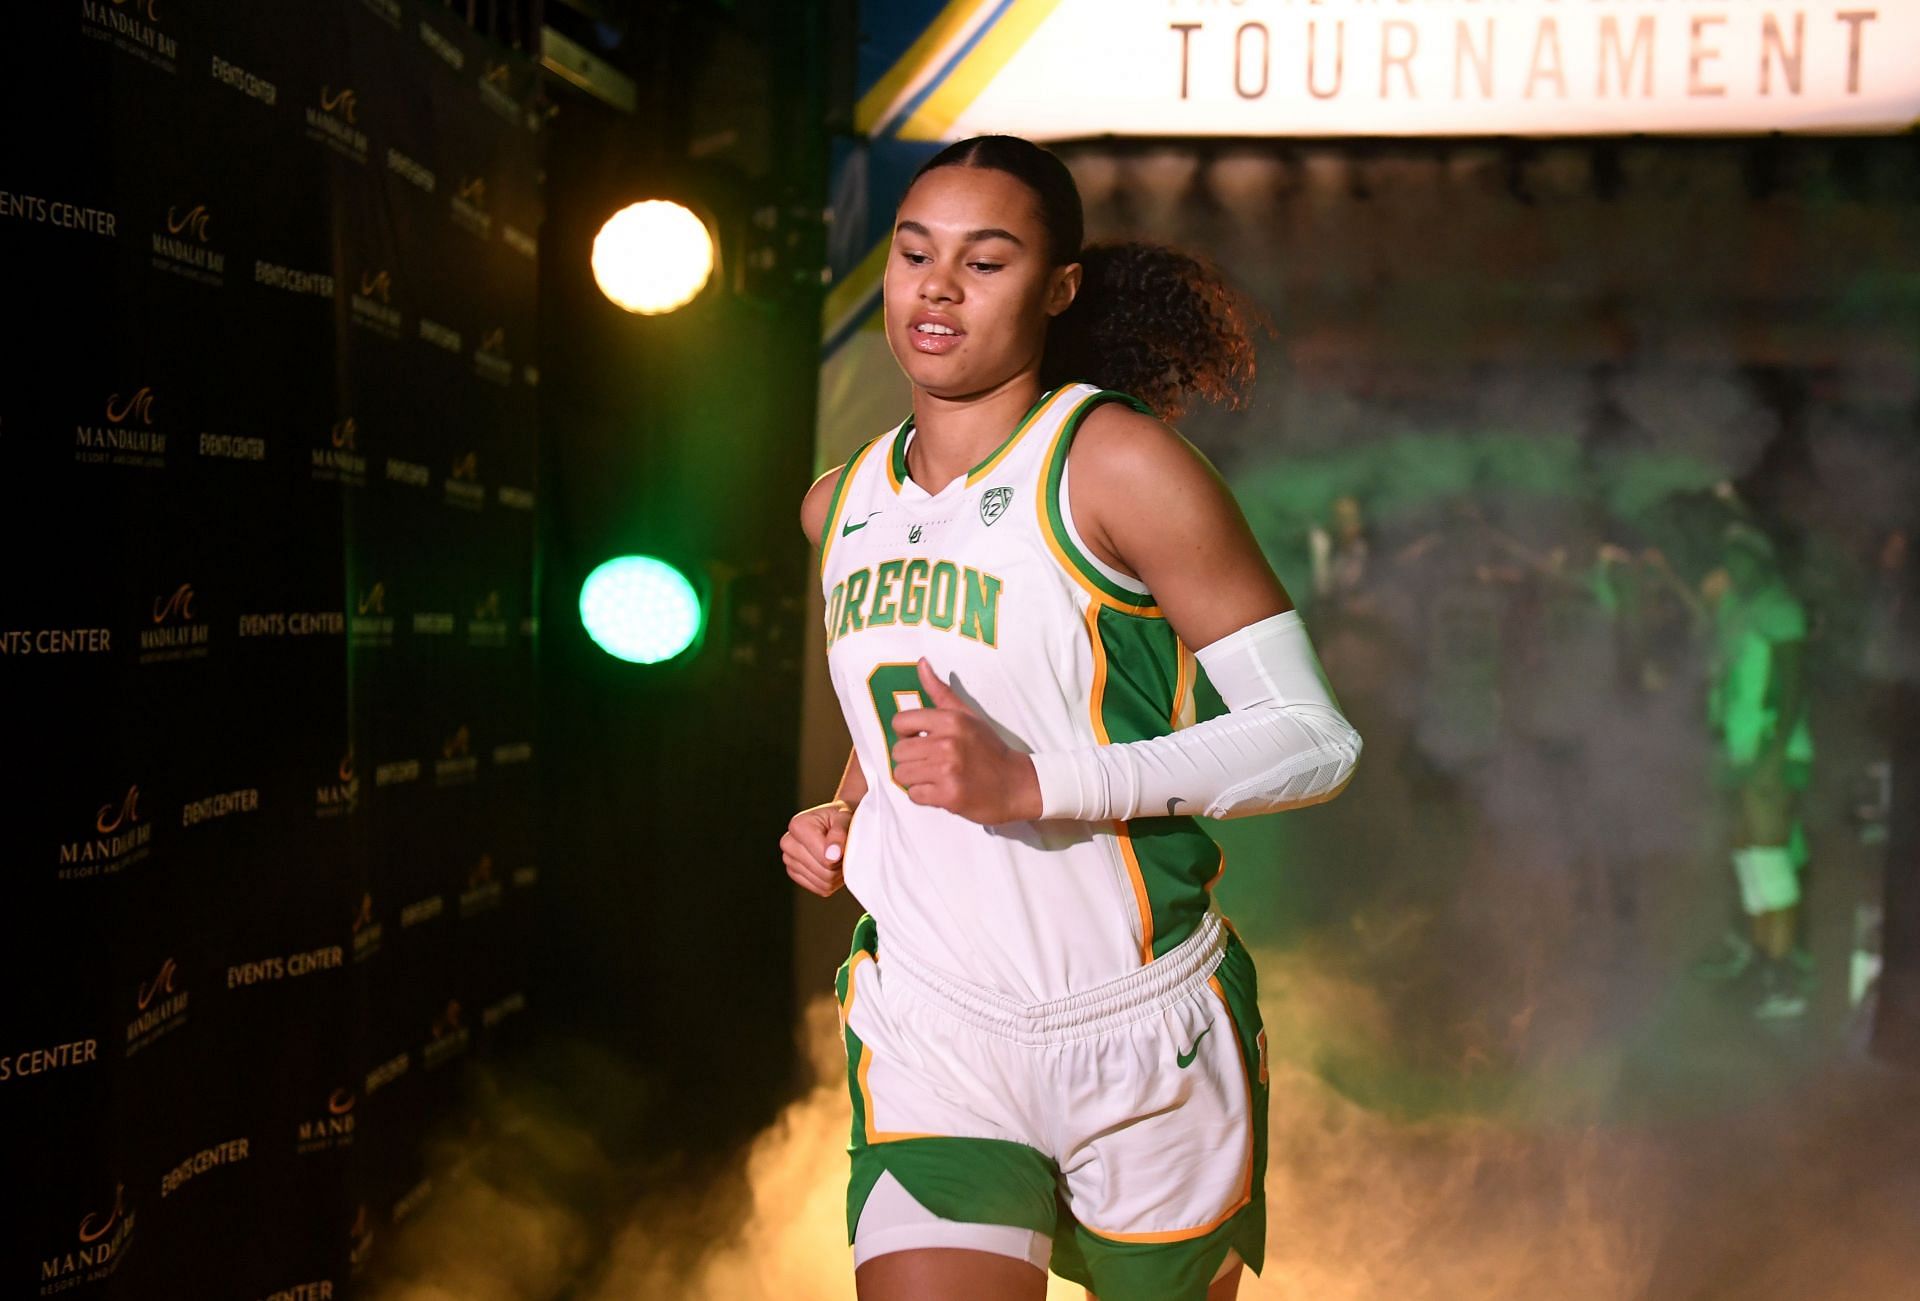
912	591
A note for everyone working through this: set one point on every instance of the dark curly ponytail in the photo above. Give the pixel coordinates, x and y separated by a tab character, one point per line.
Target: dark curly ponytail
1149	320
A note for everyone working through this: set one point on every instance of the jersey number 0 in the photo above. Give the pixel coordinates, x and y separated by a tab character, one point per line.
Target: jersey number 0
895	687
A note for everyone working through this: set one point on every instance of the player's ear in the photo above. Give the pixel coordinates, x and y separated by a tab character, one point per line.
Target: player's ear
1063	285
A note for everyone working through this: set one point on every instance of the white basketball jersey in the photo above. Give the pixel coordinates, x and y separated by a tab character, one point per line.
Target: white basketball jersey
988	579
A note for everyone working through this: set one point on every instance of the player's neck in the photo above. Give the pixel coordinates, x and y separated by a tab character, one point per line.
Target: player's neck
952	435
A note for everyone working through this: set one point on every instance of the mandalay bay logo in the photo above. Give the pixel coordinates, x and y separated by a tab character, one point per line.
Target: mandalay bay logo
462	484
334	121
365	930
482	890
469	206
338	460
496	92
331	799
373	307
456	764
122	838
328	1129
176	633
359	1241
133	27
161	1008
490	357
370	624
487	628
100	1245
446	1038
183	247
127	436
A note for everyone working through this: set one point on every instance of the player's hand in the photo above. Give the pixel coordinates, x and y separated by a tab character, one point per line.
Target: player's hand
951	758
815	846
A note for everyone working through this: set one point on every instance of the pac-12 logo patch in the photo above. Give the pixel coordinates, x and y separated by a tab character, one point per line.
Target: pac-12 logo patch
993	504
913	534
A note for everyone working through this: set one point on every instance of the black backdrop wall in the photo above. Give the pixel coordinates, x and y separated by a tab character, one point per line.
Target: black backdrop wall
267	461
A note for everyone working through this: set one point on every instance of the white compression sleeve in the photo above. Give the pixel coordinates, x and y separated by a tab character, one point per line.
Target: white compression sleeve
1283	744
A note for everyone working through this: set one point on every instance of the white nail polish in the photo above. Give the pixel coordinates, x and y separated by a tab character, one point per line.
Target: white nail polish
833	853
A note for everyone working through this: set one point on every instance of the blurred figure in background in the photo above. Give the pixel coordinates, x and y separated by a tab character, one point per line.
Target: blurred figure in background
1757	708
1561	687
1339	559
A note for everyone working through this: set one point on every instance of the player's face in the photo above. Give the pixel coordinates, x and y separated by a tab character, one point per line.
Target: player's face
969	281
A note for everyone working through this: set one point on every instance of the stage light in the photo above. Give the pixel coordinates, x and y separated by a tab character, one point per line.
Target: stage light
640	609
652	257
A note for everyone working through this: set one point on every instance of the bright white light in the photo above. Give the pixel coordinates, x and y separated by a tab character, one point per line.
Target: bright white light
652	257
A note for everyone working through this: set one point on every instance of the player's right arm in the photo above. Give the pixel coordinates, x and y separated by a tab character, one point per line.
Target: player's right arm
816	839
814	506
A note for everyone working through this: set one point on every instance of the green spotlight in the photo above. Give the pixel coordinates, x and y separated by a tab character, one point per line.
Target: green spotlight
640	609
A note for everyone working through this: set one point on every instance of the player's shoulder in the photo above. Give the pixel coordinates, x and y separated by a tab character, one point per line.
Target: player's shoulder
817	502
1127	450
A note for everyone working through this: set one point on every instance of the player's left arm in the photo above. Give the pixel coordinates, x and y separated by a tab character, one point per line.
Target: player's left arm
1146	501
1144	497
1149	502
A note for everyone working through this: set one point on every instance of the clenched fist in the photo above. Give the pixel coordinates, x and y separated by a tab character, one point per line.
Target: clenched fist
950	757
816	844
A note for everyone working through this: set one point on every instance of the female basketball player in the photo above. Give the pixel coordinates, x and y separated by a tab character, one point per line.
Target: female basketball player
1053	1049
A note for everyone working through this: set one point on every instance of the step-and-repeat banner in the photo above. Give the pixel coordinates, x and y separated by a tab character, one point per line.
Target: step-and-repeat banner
267	457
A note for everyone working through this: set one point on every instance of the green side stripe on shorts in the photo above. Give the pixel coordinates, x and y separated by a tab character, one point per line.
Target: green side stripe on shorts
976	1180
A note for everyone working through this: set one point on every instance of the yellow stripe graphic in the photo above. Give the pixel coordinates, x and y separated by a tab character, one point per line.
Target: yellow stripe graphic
947	24
935	117
853	289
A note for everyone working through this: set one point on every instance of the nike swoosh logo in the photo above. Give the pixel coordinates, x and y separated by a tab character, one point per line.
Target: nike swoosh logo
1185	1059
855	528
1170	803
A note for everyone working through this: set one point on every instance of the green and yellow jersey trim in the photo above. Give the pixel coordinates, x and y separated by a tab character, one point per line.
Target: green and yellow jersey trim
1095	715
897	459
831	529
1140	678
1053	527
1184	670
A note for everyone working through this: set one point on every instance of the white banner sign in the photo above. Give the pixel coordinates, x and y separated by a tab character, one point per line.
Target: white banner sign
1054	69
